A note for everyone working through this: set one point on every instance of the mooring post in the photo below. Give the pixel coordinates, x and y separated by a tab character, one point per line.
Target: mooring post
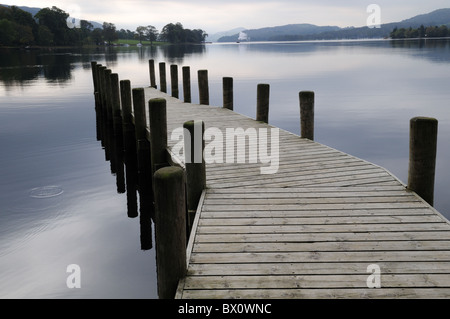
94	75
422	157
203	86
227	86
187	84
115	96
158	133
174	80
125	98
151	66
194	146
162	77
139	114
102	82
98	87
262	103
140	127
307	114
108	95
170	226
127	122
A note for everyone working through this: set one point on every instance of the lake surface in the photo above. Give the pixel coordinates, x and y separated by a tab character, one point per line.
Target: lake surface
62	201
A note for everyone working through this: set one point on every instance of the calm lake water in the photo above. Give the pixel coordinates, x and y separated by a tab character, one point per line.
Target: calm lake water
61	199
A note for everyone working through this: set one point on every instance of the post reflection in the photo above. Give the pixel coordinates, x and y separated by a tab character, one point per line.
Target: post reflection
119	142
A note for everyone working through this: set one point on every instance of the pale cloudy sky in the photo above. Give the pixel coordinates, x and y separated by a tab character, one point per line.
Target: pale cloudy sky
214	15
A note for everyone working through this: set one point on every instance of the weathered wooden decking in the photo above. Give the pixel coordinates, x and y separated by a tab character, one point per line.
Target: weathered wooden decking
312	229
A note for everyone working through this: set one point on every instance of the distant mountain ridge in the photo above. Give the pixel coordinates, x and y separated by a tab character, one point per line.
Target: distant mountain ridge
275	33
295	32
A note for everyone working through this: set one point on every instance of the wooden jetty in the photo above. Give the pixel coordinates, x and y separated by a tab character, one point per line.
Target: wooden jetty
325	225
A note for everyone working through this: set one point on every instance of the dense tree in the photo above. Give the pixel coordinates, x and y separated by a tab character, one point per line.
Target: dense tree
151	34
45	36
109	32
7	32
175	33
140	32
17	27
421	32
55	20
97	36
126	34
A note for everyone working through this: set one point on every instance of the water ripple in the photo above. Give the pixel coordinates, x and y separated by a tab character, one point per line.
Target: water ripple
46	191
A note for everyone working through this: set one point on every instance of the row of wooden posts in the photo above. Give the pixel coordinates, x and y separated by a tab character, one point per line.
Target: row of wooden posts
176	191
423	130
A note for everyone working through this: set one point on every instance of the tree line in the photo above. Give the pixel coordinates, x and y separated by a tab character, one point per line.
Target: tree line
52	26
421	32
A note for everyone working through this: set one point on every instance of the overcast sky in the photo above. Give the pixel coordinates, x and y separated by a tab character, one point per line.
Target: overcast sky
214	15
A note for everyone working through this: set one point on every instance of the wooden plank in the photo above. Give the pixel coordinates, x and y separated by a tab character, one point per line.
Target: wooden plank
339	256
314	206
316	281
323	237
319	213
322	228
317	268
348	293
288	193
309	190
308	201
322	246
273	221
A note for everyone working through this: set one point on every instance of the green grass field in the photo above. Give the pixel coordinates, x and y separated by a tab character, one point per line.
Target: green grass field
134	42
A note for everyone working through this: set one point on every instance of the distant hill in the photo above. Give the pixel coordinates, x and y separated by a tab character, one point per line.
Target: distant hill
295	32
280	32
216	36
33	12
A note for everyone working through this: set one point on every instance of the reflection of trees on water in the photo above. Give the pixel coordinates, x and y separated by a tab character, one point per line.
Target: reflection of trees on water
435	50
175	53
18	66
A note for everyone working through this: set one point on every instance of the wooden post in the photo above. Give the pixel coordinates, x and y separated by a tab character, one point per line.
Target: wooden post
227	85
262	103
151	66
158	133
108	94
162	77
422	157
125	98
99	79
203	87
139	114
187	84
99	84
102	82
94	75
307	114
140	126
194	146
115	95
170	229
174	80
